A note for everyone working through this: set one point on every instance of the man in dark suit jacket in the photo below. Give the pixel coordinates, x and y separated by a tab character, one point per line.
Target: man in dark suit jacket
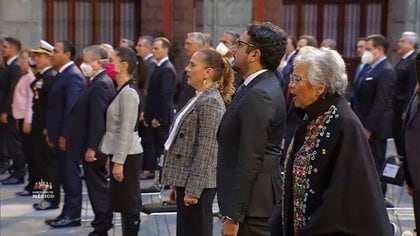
4	159
412	149
372	100
10	77
67	87
411	162
87	129
292	118
248	171
144	49
159	109
404	86
184	92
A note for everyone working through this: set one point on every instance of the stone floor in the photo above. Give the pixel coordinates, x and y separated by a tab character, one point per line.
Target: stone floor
17	217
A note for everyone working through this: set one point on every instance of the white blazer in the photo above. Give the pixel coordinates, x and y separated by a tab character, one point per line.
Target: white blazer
121	138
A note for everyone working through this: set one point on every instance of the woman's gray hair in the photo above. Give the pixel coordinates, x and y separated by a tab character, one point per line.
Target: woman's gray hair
325	67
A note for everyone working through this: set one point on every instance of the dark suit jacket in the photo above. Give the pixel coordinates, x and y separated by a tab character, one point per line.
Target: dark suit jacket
406	81
150	67
184	92
9	79
250	136
160	93
412	147
88	115
287	71
64	93
372	103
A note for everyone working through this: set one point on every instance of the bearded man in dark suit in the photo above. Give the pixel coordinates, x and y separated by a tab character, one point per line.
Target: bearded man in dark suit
250	135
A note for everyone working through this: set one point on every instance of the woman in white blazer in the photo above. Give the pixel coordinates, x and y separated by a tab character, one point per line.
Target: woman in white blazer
122	143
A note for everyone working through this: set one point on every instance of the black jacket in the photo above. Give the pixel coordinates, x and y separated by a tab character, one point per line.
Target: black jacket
41	86
249	138
406	81
160	93
88	115
9	78
372	102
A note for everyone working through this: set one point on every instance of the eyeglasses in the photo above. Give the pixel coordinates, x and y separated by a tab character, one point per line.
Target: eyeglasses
239	43
295	79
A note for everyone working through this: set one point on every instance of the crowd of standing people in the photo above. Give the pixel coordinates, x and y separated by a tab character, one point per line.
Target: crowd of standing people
264	120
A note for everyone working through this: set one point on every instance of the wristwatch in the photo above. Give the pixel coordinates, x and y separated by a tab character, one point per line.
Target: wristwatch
227	218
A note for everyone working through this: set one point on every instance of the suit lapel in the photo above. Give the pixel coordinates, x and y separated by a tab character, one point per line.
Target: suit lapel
240	94
412	109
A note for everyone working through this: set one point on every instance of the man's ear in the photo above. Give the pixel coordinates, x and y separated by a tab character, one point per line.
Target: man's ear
68	55
255	55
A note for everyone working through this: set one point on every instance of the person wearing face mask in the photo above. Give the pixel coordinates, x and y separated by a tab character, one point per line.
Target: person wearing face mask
226	43
121	143
87	128
372	98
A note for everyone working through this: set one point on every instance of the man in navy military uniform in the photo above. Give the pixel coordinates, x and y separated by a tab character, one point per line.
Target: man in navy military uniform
46	163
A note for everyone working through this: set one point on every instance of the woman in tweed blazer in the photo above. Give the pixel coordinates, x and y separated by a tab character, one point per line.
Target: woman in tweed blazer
191	148
122	143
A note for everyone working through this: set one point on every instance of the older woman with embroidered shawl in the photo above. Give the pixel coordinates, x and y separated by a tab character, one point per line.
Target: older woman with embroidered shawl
330	185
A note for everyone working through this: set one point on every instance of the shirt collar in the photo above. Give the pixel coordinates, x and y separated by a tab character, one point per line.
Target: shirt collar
12	59
159	63
377	63
96	74
290	56
148	56
65	66
408	54
45	69
253	76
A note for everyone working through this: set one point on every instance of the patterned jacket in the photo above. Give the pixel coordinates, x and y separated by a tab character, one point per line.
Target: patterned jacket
191	160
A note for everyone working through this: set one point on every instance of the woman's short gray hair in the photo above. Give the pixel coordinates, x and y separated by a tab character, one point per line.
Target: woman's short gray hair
325	67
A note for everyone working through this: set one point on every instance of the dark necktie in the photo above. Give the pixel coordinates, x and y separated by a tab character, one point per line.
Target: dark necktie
363	75
240	92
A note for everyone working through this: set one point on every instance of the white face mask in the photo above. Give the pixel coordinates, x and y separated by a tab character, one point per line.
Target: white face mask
367	57
222	49
87	69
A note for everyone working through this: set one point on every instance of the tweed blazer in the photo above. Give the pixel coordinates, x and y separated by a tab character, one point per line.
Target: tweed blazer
121	138
191	160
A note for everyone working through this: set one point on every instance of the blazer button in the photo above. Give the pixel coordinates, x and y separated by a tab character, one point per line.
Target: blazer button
178	156
181	135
